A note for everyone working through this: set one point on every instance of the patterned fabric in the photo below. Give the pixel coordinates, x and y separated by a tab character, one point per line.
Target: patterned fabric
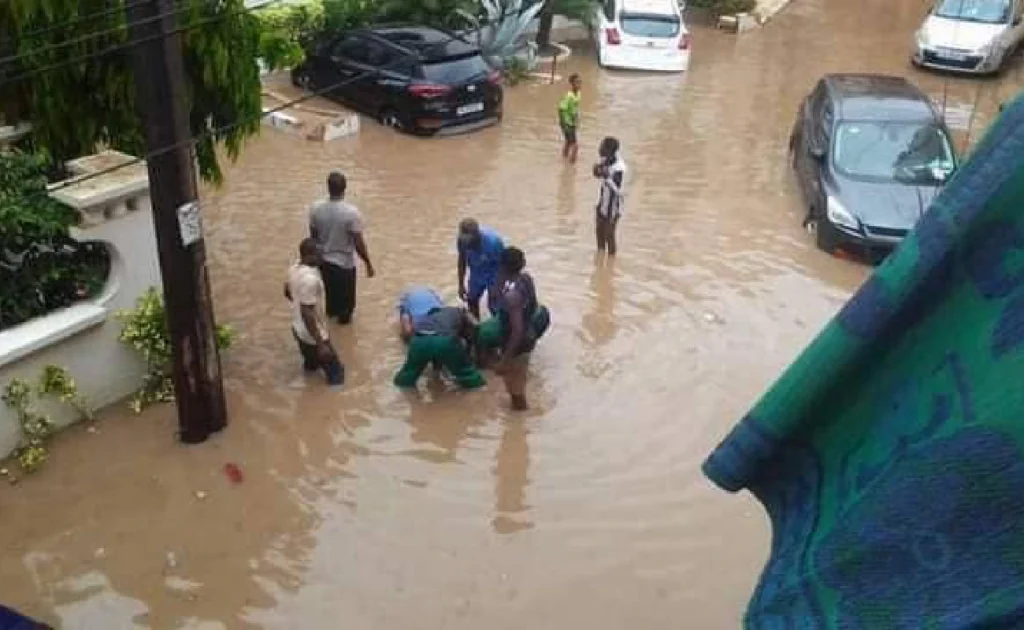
890	455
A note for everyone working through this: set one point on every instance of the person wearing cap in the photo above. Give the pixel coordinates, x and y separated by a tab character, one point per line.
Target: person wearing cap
441	336
479	250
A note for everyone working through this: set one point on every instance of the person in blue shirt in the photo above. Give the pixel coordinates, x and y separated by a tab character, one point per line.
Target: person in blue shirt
416	304
480	251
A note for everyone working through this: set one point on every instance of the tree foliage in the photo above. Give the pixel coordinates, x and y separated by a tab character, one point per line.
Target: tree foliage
77	107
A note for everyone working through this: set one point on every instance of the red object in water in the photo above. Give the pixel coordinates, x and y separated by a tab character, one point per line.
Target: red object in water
233	472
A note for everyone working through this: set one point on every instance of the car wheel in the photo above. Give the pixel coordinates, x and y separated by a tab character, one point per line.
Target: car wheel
824	233
390	118
302	79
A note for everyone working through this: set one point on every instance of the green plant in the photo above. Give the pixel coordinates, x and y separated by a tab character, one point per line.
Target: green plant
286	31
515	70
42	268
725	7
145	330
36	427
76	107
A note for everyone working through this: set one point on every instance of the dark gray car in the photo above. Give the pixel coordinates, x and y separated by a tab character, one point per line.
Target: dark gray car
870	153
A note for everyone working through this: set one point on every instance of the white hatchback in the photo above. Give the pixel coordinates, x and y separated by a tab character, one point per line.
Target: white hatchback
973	36
641	35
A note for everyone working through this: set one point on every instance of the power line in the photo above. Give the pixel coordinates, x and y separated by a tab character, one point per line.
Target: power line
127	45
84	38
84	18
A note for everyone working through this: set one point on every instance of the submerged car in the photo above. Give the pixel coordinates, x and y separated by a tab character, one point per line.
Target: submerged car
641	35
971	36
870	153
416	79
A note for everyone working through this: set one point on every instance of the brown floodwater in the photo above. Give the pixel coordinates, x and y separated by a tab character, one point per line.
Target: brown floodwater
368	508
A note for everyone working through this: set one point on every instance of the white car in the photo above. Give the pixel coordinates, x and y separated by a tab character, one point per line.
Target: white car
641	35
972	36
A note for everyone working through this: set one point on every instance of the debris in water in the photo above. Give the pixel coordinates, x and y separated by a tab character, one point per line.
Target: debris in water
200	495
3	471
100	553
233	472
92	430
172	561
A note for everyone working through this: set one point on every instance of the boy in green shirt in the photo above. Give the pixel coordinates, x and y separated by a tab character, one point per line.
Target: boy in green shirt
569	117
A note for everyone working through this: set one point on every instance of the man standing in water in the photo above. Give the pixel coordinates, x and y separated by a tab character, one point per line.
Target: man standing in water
305	289
479	252
517	307
569	118
611	171
337	228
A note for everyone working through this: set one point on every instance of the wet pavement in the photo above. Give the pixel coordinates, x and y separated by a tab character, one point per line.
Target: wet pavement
370	508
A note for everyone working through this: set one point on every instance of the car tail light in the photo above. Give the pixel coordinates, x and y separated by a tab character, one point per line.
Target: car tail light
429	90
612	35
684	42
494	77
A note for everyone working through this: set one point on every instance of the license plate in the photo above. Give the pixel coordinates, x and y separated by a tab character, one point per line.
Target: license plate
472	108
952	55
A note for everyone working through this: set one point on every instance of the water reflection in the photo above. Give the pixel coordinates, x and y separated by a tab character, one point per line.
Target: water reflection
511	477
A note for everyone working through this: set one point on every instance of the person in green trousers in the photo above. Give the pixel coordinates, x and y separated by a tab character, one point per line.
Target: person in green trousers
443	338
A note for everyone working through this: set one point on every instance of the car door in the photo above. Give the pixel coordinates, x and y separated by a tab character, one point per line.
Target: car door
807	140
347	71
390	76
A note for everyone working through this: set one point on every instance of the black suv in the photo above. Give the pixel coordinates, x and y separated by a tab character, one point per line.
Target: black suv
413	78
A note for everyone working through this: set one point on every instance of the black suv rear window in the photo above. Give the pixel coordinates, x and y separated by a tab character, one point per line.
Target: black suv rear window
455	70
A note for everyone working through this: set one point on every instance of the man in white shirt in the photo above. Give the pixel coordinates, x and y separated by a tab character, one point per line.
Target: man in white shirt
305	289
611	170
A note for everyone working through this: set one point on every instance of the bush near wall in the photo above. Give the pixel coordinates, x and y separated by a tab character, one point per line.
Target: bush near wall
725	7
42	268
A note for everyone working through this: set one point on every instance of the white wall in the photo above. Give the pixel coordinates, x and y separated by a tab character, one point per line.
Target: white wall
82	338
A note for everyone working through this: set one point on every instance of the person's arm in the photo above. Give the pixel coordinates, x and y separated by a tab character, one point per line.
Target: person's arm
364	254
462	274
407	329
287	292
516	327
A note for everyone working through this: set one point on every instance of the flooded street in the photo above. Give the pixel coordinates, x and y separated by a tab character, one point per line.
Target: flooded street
369	508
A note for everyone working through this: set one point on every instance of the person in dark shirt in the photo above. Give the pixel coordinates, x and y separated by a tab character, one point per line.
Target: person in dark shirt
517	307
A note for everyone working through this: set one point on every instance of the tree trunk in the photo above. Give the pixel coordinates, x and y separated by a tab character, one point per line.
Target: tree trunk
547	17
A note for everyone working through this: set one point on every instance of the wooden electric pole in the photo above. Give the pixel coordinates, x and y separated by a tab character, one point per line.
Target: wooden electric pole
162	103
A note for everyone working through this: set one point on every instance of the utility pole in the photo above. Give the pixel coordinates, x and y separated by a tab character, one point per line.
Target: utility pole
161	99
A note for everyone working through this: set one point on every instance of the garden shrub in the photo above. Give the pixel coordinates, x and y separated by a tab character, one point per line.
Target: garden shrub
42	268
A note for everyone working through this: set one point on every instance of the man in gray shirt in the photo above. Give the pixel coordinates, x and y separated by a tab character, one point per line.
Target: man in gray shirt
337	227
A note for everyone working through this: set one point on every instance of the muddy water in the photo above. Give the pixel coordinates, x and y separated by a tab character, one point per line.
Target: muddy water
369	508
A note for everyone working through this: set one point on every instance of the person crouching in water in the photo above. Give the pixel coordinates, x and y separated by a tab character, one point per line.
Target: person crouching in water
611	170
439	335
518	307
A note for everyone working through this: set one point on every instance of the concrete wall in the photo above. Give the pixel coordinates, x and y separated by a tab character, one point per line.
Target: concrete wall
115	210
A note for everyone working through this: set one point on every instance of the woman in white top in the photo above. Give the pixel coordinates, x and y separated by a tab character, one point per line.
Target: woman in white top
611	171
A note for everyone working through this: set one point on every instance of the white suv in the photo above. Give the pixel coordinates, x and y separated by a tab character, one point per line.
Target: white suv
642	35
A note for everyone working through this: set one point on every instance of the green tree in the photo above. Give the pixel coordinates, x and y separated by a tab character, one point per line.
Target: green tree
77	107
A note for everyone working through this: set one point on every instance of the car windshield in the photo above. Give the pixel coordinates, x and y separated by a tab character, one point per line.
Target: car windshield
985	11
456	71
640	25
893	151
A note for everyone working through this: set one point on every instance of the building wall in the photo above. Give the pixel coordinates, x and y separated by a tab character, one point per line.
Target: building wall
83	338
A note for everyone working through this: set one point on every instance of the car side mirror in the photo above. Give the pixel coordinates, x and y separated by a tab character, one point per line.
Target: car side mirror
817	152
